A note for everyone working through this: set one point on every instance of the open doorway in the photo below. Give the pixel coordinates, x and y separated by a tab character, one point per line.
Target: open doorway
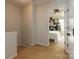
56	26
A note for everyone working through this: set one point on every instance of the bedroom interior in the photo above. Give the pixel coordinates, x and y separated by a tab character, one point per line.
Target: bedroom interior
56	25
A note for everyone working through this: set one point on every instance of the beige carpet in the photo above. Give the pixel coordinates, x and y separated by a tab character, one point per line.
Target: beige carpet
54	51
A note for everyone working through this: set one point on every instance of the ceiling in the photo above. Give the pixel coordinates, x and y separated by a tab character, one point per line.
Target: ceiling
40	1
20	3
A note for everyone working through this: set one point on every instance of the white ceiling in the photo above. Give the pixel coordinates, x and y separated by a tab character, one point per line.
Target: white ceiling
40	1
20	3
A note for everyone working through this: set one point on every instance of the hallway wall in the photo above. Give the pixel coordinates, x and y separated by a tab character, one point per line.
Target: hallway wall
13	19
27	24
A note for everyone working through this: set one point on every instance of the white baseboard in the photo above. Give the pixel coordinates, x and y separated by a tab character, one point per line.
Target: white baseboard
43	44
12	56
28	45
24	45
39	43
31	44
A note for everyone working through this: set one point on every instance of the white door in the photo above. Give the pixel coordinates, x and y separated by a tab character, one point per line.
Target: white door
65	26
42	27
69	25
70	29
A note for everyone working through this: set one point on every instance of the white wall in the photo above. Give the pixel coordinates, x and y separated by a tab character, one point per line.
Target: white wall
42	27
70	25
10	45
34	9
27	24
42	19
13	19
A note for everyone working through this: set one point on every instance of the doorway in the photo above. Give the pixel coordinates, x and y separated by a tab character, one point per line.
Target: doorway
56	26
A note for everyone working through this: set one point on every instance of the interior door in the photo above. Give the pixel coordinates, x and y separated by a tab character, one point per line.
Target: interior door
66	22
42	25
69	25
70	29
